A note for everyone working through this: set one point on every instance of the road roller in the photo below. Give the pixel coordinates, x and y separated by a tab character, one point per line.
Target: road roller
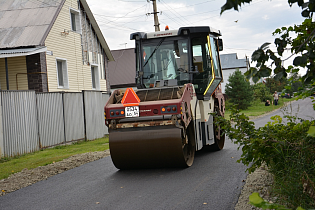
170	113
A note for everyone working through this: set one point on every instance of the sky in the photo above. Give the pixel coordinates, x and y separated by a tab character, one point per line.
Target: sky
242	31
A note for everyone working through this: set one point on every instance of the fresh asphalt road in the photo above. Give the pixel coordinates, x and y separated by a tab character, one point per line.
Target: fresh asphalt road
213	182
301	108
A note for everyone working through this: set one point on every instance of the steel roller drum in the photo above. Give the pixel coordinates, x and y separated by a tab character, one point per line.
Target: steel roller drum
150	147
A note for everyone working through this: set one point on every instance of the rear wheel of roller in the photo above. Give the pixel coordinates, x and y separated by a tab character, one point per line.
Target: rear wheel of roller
189	146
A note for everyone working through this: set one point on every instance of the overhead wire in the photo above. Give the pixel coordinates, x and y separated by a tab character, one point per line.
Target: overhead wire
130	12
224	12
178	16
178	19
40	2
173	19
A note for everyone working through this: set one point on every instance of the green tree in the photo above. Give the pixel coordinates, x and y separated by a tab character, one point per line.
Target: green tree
261	92
239	90
276	85
295	83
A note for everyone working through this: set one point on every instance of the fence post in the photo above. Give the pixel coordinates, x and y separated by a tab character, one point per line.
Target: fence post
1	129
37	120
63	115
84	113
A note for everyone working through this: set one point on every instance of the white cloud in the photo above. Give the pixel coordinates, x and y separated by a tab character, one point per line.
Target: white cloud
265	17
121	18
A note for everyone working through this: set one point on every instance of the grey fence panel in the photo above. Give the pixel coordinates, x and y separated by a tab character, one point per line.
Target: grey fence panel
1	131
50	119
74	116
94	114
105	97
20	131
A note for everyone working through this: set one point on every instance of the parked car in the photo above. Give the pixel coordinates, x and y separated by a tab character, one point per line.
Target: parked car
286	95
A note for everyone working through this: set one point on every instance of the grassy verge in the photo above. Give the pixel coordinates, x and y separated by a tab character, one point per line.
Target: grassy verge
44	157
258	108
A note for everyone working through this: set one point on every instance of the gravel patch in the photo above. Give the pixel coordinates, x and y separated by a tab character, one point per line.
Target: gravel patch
259	181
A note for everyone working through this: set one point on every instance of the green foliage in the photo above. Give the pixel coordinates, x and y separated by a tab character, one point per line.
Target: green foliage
311	131
298	38
239	90
276	85
286	149
294	84
261	92
257	201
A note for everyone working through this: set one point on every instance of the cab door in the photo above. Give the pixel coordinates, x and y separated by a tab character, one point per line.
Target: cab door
206	61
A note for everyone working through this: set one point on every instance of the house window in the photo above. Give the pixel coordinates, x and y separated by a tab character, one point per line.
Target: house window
95	78
75	20
62	73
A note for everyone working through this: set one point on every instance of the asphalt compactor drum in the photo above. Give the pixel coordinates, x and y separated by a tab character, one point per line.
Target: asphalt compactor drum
171	112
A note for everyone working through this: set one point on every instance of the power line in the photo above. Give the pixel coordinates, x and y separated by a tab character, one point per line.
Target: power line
128	13
179	16
174	20
162	11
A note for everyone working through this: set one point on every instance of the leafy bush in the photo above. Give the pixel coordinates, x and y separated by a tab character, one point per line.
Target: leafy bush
287	149
257	201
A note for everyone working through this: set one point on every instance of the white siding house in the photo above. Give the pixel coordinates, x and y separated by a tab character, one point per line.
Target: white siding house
51	46
231	63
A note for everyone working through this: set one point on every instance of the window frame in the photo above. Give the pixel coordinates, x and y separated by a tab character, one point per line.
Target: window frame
96	75
77	20
64	73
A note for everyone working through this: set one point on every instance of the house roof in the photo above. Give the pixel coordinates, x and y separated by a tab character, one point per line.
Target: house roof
27	23
123	70
230	61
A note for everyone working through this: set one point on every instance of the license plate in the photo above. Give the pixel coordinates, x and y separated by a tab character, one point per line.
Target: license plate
132	111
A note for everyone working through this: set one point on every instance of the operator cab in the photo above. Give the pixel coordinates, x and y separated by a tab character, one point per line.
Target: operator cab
178	57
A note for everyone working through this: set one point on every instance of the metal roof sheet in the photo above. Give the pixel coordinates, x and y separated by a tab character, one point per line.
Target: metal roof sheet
25	22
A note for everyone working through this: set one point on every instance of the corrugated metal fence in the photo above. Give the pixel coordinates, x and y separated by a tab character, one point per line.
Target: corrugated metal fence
30	121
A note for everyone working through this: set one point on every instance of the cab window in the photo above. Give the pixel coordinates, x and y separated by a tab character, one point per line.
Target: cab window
202	64
215	55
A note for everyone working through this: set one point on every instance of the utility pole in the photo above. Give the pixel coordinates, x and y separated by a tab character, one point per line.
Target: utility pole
156	19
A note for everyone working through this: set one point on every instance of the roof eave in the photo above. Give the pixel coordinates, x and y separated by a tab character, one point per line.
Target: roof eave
23	52
97	30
